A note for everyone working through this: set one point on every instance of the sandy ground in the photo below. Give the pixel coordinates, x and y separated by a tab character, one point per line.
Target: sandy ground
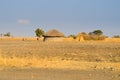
58	74
33	60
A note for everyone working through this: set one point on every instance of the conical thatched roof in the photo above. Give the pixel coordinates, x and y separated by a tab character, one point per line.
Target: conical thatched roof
80	37
53	33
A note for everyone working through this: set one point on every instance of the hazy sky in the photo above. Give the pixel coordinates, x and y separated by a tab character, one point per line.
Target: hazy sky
22	17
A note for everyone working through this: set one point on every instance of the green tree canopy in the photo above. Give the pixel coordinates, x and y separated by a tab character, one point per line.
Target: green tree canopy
39	32
97	32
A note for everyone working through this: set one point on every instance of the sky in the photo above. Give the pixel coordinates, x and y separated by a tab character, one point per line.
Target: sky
23	17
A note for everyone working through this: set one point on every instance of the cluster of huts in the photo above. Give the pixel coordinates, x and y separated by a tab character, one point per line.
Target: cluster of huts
55	35
51	35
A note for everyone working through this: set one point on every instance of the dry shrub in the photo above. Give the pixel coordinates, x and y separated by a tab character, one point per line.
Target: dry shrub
96	37
86	37
102	37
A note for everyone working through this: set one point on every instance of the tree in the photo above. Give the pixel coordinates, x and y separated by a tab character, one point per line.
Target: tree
39	32
7	34
97	32
116	36
96	35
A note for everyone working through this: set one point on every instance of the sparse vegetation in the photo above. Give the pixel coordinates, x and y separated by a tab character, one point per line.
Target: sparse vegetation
6	35
116	36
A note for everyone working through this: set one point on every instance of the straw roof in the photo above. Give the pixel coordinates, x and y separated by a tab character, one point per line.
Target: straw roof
80	37
53	33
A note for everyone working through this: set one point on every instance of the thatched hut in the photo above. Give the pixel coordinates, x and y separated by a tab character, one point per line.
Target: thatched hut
80	37
53	35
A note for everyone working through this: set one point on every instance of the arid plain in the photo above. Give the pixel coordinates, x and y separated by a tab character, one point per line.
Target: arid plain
36	60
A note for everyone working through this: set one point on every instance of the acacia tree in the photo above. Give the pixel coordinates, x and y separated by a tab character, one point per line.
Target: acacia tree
97	32
39	32
97	35
7	34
